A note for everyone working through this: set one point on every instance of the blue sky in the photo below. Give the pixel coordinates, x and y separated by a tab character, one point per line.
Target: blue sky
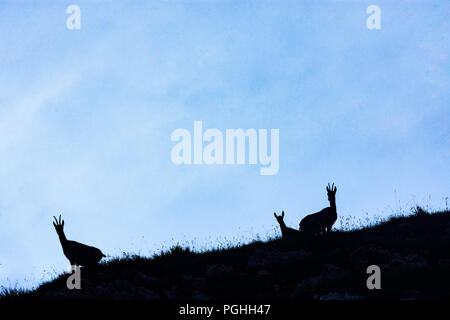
86	118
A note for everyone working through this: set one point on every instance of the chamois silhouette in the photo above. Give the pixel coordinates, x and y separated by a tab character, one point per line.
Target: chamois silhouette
286	233
77	253
323	220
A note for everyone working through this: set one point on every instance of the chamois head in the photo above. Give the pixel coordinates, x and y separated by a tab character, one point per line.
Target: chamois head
331	191
279	218
59	225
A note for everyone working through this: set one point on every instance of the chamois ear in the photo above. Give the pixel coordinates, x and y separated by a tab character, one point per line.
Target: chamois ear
275	214
54	224
282	214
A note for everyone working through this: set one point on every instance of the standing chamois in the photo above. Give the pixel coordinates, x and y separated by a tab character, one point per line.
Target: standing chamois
323	220
78	254
286	233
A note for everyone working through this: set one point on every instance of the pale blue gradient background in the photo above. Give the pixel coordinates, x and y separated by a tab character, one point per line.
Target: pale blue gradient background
86	118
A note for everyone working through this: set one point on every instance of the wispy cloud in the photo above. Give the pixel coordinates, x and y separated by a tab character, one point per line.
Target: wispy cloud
18	114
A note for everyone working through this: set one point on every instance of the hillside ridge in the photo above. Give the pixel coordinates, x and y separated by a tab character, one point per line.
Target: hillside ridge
412	252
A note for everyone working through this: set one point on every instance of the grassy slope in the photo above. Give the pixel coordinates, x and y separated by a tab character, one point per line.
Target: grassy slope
413	253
